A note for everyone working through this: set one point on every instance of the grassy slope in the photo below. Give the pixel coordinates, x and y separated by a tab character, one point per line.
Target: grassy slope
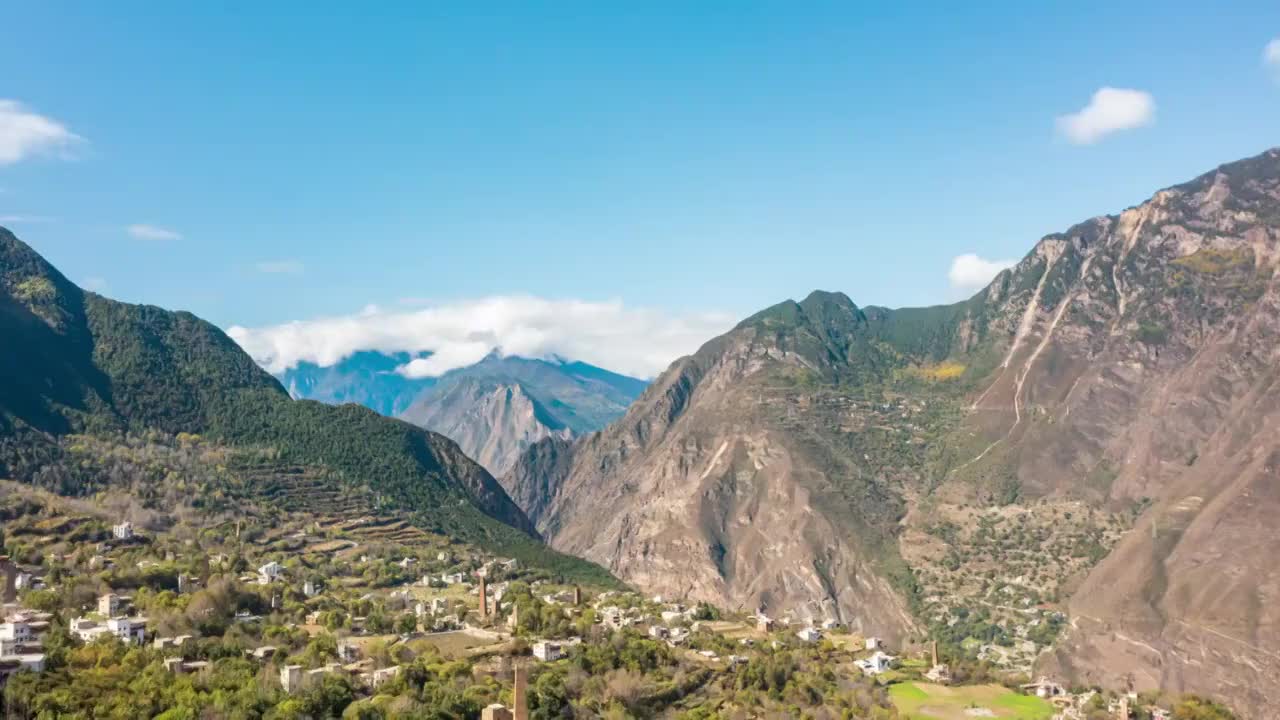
925	701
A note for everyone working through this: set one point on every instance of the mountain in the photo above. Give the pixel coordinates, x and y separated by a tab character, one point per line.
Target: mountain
1075	471
366	377
78	363
498	407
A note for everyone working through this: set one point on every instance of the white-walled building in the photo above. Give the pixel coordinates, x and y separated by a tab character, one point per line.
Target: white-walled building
129	630
270	572
876	664
109	605
548	651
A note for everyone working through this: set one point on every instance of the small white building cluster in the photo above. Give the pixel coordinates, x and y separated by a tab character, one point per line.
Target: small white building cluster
293	678
111	620
21	644
879	662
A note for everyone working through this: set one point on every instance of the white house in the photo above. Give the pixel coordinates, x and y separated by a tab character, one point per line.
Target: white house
129	630
13	661
548	651
874	643
109	605
291	678
310	589
809	635
270	572
876	664
87	629
17	631
123	531
1045	688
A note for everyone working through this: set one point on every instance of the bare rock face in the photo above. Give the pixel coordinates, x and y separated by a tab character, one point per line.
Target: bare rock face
1118	389
492	422
703	490
1152	379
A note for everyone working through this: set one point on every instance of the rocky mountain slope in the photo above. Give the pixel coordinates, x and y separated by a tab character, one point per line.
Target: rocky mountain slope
498	407
75	362
1100	420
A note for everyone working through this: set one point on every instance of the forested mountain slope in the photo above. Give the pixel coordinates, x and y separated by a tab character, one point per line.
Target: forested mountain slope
77	362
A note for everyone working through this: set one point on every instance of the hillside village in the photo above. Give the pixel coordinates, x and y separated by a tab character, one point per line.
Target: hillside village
371	618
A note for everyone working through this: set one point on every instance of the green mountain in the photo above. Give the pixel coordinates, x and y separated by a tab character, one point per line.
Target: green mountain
76	362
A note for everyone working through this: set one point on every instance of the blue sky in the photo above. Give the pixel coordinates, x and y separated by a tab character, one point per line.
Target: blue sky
308	160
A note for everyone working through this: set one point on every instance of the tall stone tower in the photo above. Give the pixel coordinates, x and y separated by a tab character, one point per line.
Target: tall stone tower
484	599
8	580
520	702
577	596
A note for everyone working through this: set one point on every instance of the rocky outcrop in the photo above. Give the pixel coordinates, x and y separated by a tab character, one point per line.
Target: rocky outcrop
500	406
491	422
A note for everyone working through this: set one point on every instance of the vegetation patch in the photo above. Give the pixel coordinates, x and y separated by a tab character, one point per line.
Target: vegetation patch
938	372
926	701
1213	261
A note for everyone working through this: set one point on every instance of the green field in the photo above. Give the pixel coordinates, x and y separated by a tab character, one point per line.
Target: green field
925	701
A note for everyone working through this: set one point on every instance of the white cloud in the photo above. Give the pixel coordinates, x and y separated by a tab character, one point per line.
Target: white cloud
24	134
970	273
1271	56
636	341
143	231
280	267
25	219
1109	110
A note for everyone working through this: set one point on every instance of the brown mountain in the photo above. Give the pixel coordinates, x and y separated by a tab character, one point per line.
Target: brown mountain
1095	434
491	421
498	407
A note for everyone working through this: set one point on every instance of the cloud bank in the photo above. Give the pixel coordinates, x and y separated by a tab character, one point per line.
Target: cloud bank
1271	56
143	231
636	341
25	134
970	273
1110	110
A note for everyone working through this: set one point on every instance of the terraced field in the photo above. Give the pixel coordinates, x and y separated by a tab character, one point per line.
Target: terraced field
926	701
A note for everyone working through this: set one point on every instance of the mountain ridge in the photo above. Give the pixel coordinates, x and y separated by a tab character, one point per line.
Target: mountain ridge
498	407
87	364
835	461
